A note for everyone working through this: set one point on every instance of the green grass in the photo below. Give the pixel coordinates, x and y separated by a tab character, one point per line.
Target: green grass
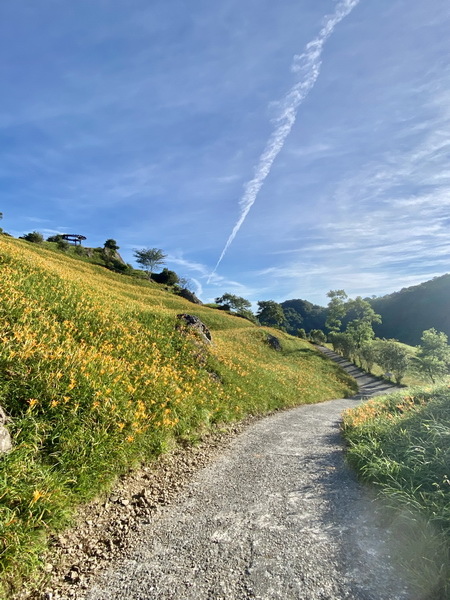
98	377
401	443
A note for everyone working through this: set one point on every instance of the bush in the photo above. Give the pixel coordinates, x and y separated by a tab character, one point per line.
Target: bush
62	245
247	314
317	336
118	266
166	277
55	238
111	245
392	358
367	355
35	237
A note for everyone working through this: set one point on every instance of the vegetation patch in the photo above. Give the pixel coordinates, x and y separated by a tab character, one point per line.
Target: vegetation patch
401	443
96	379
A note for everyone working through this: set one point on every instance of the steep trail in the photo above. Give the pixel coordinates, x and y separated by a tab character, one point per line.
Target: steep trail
279	515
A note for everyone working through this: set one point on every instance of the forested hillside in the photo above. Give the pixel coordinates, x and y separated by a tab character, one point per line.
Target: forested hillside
303	314
405	314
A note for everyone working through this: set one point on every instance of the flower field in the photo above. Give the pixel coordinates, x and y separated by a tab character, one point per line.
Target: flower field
97	378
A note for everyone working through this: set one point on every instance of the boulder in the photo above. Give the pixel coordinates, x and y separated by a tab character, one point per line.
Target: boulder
188	295
274	342
196	324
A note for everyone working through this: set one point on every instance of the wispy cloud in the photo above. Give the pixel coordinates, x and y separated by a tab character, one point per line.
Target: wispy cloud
308	66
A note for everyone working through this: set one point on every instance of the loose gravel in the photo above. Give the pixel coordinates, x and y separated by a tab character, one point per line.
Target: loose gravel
271	513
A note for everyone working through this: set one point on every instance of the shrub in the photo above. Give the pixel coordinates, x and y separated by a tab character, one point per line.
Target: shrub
35	237
367	355
166	277
62	245
111	245
247	314
317	336
392	358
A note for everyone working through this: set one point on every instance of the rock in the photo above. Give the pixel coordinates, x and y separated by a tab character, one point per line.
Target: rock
73	576
3	417
188	295
5	440
197	324
274	342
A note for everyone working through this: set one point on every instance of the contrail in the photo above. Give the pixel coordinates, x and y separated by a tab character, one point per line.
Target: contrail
308	65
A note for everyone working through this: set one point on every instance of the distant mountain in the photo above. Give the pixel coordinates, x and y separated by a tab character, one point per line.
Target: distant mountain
410	311
406	314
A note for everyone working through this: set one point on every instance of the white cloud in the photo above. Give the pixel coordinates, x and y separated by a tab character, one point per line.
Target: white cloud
308	65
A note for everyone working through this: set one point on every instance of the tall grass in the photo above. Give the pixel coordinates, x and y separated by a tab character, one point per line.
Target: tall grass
98	377
402	444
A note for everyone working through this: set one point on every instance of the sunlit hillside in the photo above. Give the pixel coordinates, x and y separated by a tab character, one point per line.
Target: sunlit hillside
97	375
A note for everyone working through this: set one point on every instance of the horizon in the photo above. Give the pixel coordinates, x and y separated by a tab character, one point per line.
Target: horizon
273	152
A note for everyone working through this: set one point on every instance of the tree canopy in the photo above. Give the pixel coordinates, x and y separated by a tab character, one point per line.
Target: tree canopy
337	309
111	244
433	356
149	258
270	313
236	303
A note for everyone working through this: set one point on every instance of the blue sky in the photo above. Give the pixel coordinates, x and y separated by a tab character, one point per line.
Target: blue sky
303	145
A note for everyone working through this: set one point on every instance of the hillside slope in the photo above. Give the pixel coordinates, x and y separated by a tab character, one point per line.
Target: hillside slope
97	376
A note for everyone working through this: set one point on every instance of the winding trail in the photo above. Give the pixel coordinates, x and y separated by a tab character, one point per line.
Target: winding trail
278	516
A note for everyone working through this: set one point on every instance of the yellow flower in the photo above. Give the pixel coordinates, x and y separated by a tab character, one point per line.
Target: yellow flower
32	402
36	496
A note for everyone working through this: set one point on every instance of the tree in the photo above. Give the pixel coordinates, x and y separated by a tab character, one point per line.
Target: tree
236	303
392	358
360	326
270	313
367	355
111	245
149	258
337	309
35	237
343	343
301	333
317	336
433	356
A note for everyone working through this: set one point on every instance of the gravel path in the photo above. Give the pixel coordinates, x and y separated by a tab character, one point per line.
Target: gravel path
277	516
